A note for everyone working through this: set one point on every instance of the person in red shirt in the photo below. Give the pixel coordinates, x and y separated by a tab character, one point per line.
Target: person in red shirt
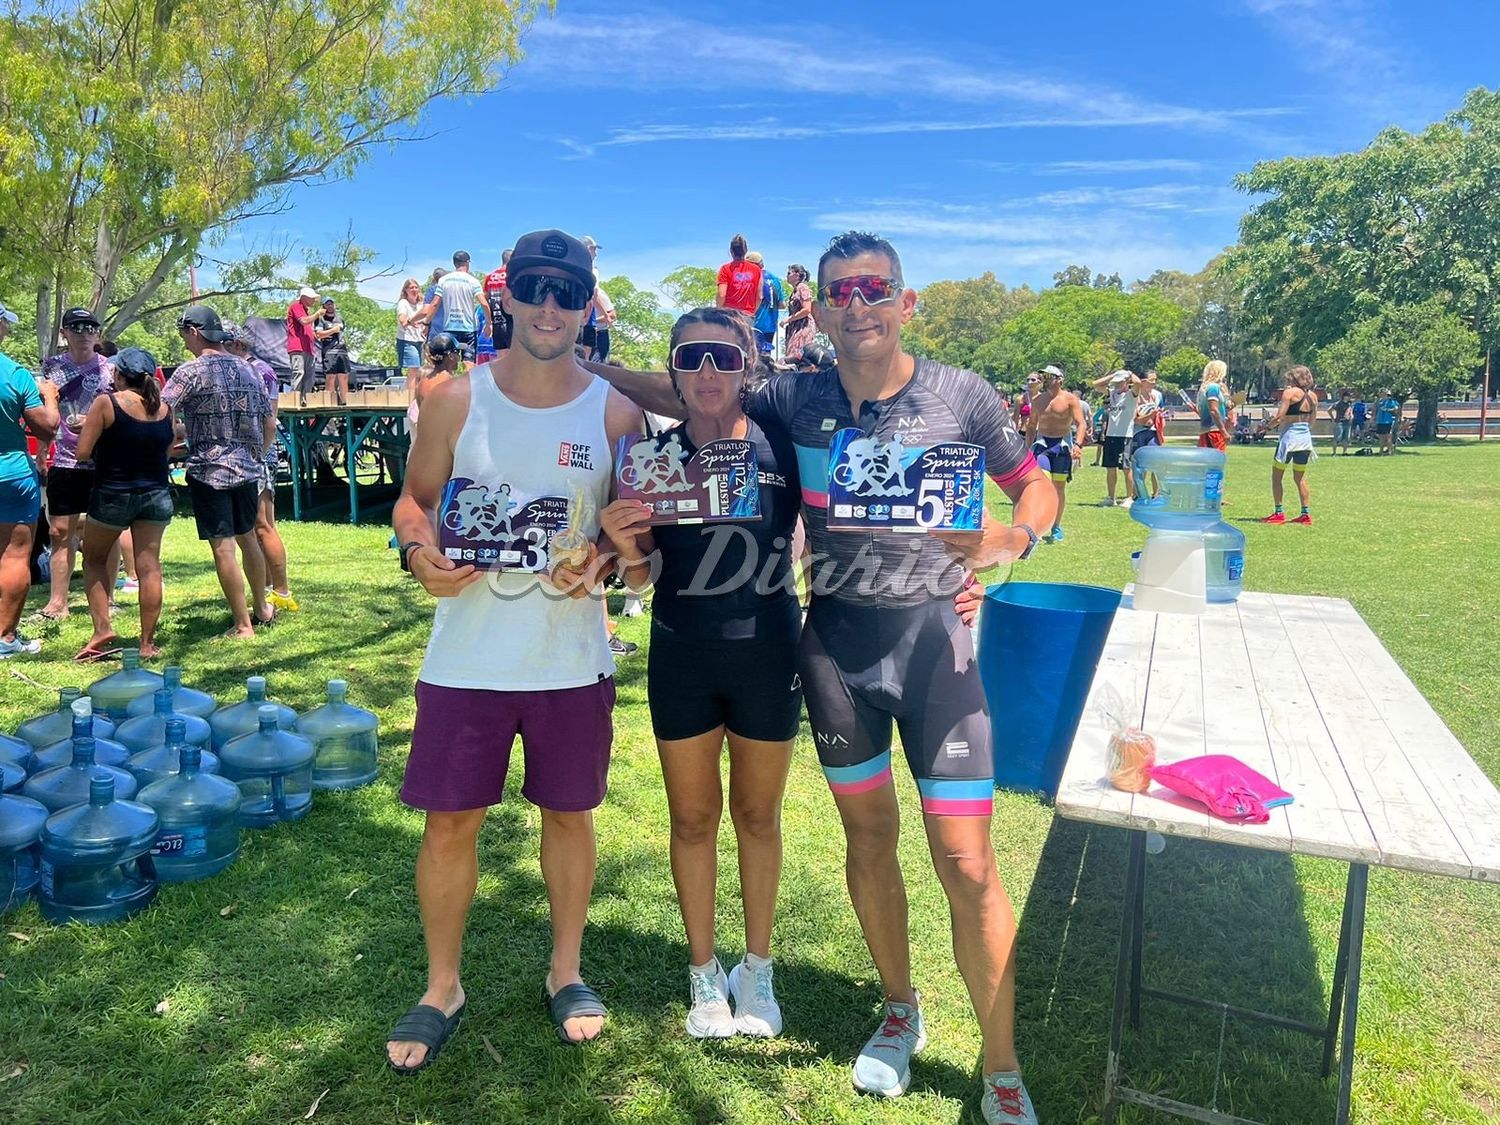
493	283
300	315
739	280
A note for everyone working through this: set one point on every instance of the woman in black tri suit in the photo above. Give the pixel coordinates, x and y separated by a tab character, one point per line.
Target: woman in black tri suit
725	625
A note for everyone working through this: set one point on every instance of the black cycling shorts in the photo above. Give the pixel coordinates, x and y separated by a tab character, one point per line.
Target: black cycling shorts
749	687
865	668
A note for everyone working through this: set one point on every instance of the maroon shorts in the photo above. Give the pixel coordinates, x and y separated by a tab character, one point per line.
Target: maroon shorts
461	743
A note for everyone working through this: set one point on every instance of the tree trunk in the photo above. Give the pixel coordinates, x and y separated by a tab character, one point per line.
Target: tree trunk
44	330
127	313
1427	412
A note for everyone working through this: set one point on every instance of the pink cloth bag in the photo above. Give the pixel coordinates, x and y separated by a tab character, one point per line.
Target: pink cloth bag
1227	786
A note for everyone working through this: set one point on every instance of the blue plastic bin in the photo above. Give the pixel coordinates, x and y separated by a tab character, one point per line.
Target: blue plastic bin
1039	644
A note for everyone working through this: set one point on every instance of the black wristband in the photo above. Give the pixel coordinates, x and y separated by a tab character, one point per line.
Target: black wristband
406	550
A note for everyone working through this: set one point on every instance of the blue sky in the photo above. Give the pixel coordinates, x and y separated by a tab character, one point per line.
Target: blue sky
1016	138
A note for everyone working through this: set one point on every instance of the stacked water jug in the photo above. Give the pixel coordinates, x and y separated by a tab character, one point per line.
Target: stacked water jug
144	781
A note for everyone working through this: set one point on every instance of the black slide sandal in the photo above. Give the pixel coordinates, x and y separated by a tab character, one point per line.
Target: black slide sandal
426	1025
572	1001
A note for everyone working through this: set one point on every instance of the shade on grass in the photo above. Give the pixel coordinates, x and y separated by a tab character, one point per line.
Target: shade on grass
282	976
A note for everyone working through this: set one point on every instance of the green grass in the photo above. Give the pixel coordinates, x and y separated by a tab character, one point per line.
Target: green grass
293	991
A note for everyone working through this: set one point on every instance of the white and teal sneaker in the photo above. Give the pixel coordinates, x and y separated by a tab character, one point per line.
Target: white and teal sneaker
756	1012
709	1017
1006	1101
884	1063
21	646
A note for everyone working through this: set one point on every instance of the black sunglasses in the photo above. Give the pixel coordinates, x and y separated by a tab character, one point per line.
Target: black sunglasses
532	289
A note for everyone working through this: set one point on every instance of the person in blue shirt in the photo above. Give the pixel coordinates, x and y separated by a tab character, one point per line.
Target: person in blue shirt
1361	417
24	402
1387	421
772	297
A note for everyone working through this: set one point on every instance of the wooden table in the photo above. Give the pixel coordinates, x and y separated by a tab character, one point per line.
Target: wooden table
1300	689
366	424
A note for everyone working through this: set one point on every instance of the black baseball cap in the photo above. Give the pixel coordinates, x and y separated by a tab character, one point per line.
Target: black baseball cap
80	317
552	248
135	361
206	321
442	346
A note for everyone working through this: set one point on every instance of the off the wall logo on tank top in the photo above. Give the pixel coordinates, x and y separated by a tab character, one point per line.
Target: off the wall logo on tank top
575	455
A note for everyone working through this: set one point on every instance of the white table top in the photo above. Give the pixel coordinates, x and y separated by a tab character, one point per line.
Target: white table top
1300	689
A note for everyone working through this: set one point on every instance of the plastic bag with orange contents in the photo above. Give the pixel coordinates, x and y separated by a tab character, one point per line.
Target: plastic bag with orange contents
1132	752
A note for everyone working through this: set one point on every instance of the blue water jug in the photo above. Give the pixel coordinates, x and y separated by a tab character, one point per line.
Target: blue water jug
273	768
185	700
200	818
12	776
96	859
164	761
1192	485
21	821
113	694
53	726
1224	546
144	732
68	785
106	750
15	750
1039	644
235	719
344	738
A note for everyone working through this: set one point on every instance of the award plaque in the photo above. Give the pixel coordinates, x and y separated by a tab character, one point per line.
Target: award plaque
882	484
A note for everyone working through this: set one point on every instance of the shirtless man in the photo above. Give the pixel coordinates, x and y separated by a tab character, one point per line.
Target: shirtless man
1057	428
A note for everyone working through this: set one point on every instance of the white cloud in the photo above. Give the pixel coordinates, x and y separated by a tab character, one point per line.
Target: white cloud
1020	240
657	52
1112	167
774	129
1158	197
1344	43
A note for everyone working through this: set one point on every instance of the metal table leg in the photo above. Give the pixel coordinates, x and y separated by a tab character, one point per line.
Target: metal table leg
1126	969
1354	910
1129	988
1340	971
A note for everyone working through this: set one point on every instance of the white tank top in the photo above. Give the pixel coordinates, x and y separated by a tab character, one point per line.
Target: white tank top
511	631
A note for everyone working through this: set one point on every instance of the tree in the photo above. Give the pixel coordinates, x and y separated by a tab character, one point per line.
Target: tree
1338	239
1090	331
1111	282
1184	290
640	335
954	319
1072	275
1420	350
690	287
135	130
1181	367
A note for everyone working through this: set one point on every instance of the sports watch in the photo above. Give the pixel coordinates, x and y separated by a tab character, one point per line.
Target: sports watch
407	548
1032	541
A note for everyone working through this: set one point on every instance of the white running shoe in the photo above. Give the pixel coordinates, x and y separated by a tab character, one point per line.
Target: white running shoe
756	1012
21	646
634	607
884	1063
1006	1101
710	1017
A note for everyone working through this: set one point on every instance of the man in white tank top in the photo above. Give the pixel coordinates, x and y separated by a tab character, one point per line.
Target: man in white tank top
512	653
